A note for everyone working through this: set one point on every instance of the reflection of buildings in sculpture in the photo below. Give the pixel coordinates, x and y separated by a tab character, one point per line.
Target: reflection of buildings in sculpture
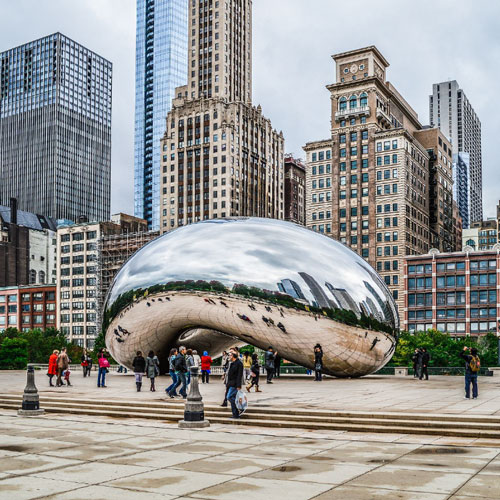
386	303
375	311
343	298
320	297
291	288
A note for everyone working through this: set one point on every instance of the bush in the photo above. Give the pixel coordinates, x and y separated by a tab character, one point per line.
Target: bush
13	354
443	349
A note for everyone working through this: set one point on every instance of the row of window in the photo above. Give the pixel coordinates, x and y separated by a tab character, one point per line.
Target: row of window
79	282
321	169
37	319
353	136
354	226
67	271
485	312
79	330
27	308
354	179
453	281
79	259
78	317
353	164
451	266
353	193
77	305
354	211
26	297
79	247
322	155
452	298
91	235
386	160
76	294
386	145
475	327
354	151
352	121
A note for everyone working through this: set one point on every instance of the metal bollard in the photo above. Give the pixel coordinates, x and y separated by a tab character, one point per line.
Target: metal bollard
194	414
31	401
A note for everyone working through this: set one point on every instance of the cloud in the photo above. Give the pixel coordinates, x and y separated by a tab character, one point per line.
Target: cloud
425	42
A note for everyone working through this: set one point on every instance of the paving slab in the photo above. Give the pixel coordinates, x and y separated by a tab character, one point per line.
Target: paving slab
18	488
361	493
105	493
482	486
171	481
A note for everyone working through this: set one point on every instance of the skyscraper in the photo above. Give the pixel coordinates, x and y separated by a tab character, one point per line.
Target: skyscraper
161	66
222	157
451	111
55	129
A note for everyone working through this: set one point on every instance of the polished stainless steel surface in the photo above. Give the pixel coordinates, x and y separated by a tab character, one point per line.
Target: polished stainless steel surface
254	281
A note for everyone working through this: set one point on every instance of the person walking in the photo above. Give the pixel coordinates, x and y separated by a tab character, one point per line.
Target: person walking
62	366
152	369
247	365
224	364
52	370
229	361
254	374
103	362
189	364
84	363
425	364
318	363
277	365
269	364
414	359
206	364
197	359
139	366
233	382
472	367
171	370
420	366
180	368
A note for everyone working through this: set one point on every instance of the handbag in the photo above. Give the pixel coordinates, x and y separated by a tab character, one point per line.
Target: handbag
318	367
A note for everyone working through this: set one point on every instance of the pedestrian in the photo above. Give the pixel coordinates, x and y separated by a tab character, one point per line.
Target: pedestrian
236	352
66	375
425	364
414	359
139	366
52	370
277	364
254	374
84	363
197	359
180	367
89	364
189	364
233	382
171	370
247	365
269	364
152	369
62	366
206	364
102	359
318	363
472	367
224	364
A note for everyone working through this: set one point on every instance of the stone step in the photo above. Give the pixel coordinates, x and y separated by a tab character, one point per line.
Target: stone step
282	421
268	411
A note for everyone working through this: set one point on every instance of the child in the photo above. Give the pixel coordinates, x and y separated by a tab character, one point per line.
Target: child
66	375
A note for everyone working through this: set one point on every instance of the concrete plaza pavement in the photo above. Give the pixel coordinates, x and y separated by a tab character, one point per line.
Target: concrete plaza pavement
63	457
441	394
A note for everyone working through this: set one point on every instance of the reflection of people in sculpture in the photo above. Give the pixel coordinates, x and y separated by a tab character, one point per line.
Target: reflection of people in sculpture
374	343
318	362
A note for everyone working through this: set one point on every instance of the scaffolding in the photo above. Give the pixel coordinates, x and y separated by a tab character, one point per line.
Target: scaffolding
113	250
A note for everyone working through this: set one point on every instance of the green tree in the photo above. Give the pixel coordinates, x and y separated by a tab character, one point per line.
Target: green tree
13	354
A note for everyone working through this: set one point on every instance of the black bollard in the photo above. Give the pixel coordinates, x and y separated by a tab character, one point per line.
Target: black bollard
31	401
194	414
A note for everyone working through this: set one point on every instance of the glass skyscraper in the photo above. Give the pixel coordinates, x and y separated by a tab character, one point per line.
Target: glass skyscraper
161	66
55	129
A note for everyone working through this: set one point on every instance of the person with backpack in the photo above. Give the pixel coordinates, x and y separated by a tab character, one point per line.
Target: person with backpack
139	366
180	368
206	364
254	374
425	364
472	367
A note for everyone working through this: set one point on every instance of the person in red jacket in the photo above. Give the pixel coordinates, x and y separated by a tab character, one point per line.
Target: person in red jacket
52	366
206	363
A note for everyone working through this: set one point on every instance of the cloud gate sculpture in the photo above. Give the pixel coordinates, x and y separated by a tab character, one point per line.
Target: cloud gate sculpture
263	282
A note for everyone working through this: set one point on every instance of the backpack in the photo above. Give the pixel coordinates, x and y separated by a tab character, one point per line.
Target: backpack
474	364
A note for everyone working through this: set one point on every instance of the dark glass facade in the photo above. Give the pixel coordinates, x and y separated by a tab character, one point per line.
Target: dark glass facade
55	129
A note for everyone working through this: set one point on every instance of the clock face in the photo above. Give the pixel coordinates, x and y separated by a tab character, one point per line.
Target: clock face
354	68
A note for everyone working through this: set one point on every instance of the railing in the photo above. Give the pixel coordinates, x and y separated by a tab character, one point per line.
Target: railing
344	113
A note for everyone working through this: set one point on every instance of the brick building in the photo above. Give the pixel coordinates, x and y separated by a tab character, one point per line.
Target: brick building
295	187
457	293
28	307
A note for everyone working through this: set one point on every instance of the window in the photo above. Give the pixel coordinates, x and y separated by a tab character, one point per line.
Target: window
342	105
353	102
363	99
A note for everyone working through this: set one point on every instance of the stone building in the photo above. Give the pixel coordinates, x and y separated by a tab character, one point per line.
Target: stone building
368	184
295	186
221	156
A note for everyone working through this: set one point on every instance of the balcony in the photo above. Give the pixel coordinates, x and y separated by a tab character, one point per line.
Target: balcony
352	112
384	117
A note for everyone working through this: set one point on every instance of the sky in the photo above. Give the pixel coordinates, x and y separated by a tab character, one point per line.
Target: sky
425	42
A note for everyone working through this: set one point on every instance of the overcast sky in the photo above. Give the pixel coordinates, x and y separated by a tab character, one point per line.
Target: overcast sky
425	41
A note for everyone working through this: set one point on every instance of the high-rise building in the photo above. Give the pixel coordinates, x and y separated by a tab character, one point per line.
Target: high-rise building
451	111
222	157
368	185
442	226
295	190
55	129
161	66
461	191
